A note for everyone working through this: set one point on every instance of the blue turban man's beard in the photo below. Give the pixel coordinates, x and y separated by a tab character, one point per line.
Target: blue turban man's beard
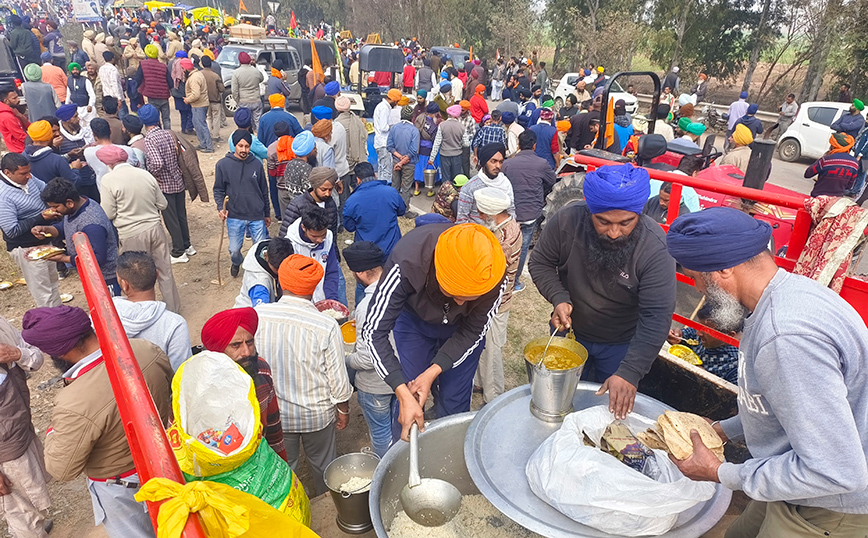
727	313
607	256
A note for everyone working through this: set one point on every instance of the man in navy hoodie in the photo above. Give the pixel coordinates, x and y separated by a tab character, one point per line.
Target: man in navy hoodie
240	176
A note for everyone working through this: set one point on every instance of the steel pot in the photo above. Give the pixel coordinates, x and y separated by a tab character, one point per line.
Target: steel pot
443	458
552	391
430	176
353	516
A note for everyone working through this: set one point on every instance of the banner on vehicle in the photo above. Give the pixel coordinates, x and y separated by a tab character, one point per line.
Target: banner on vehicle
86	10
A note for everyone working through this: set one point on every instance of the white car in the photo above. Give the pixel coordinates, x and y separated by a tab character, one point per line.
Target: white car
568	86
808	135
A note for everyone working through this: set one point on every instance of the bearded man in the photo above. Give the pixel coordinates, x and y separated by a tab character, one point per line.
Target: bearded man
491	158
605	268
801	384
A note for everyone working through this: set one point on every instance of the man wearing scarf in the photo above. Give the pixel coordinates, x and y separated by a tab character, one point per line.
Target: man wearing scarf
80	92
490	162
233	332
440	288
86	435
478	106
75	136
836	171
604	267
801	382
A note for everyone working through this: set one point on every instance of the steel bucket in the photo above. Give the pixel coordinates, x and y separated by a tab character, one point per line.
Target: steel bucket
552	391
354	516
430	176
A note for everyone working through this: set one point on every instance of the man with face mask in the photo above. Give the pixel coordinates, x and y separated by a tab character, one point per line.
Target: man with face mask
232	332
490	162
801	384
604	267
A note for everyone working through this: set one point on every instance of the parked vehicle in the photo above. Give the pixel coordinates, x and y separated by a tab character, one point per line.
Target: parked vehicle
265	51
808	136
713	119
567	86
458	56
10	71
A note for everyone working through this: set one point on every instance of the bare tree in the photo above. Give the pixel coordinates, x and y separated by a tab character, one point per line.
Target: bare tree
761	39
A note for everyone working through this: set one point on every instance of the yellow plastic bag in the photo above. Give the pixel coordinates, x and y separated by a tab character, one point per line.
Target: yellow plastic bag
224	511
208	389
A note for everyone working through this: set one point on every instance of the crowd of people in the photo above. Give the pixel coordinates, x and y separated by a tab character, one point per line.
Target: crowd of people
97	154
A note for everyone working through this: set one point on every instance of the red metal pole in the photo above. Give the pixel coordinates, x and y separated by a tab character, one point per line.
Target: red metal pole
674	203
146	436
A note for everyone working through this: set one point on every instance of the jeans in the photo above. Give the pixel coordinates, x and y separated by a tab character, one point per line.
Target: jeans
200	122
360	294
384	165
275	199
378	410
237	229
527	231
163	106
450	167
856	190
186	112
342	288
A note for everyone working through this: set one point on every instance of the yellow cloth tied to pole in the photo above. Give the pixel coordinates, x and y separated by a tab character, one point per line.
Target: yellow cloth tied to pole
223	511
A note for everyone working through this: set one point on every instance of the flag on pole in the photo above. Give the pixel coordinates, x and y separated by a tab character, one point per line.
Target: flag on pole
292	23
338	59
241	6
471	53
498	54
318	73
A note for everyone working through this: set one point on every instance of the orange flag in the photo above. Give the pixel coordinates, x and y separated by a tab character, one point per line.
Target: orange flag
610	123
471	53
318	73
241	6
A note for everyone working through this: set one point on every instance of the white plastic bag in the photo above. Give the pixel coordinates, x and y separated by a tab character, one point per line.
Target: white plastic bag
595	489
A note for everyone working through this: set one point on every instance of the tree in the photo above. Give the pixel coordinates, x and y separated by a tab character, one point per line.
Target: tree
762	38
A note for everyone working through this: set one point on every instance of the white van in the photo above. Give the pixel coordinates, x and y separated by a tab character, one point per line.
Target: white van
808	136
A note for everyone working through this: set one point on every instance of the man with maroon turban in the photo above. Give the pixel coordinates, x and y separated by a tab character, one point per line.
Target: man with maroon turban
86	434
231	332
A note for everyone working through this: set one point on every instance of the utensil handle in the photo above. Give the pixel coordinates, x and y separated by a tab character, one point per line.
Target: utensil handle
415	480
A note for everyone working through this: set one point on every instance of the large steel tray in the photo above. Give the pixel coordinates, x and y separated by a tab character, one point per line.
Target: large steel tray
504	434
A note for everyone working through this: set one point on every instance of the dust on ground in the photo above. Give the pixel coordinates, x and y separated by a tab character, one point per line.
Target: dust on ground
201	297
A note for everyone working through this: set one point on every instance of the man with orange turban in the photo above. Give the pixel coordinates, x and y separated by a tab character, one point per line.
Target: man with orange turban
478	106
837	170
440	289
232	332
306	350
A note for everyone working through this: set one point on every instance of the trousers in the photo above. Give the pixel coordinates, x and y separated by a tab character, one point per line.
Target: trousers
417	342
155	242
255	111
116	508
41	278
215	119
402	181
237	228
527	231
451	167
25	507
384	164
200	123
320	448
489	375
175	218
165	114
186	112
780	519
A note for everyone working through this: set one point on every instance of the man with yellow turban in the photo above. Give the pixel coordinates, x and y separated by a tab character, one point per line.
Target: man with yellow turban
439	291
739	150
306	352
604	267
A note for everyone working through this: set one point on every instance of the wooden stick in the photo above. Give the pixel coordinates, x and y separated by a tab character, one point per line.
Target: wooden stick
695	310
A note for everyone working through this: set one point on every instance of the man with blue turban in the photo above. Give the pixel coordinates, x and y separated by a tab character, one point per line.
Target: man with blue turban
803	410
604	267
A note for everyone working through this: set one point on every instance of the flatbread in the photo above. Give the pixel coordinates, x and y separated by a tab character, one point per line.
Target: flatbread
652	439
675	428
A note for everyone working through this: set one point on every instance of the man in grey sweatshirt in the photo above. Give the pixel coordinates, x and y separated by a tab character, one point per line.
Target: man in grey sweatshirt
142	315
803	407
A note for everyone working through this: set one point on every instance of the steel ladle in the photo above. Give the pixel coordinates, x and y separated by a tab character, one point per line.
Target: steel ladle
428	501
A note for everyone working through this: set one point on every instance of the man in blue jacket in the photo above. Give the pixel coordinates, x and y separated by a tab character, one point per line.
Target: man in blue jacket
372	212
240	176
276	114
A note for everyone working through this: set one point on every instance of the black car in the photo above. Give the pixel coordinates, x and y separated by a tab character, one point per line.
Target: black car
10	72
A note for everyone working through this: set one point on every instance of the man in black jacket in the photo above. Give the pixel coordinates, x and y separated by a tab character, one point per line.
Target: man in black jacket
240	176
439	291
605	268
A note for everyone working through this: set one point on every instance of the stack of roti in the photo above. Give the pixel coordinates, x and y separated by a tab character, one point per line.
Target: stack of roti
672	434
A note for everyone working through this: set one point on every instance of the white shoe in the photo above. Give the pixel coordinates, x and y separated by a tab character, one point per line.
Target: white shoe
190	251
180	259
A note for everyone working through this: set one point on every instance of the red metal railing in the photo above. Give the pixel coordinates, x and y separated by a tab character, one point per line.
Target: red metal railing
855	291
146	436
